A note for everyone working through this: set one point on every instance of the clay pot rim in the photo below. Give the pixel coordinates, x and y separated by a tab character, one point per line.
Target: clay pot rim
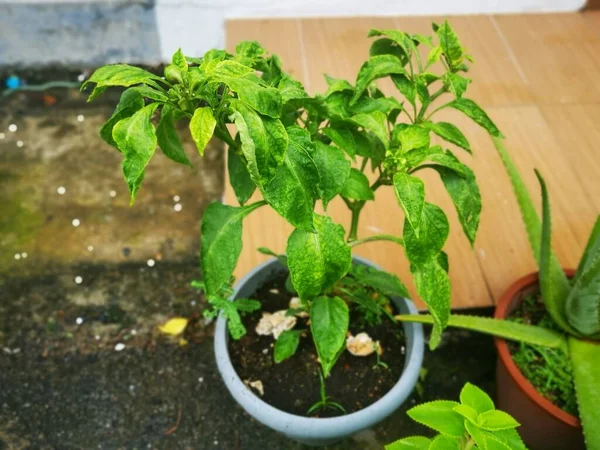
502	347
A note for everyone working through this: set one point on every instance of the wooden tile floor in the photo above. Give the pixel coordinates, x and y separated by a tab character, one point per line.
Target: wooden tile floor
538	76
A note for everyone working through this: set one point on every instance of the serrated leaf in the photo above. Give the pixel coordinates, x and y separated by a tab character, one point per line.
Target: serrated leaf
476	434
406	87
130	102
293	189
264	142
410	443
465	195
476	398
440	416
450	45
168	139
433	232
376	67
265	100
433	286
239	177
120	75
495	420
202	127
221	243
450	133
286	345
334	170
318	260
136	138
357	186
329	318
478	115
410	192
342	136
467	412
174	326
374	122
445	443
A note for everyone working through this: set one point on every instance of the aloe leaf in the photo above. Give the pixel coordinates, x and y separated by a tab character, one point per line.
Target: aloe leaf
513	331
592	250
533	227
584	357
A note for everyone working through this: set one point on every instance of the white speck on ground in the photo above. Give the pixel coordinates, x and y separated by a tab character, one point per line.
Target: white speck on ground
20	144
78	280
80	118
79	321
61	190
151	263
113	194
176	198
76	222
177	207
119	347
17	256
12	128
90	248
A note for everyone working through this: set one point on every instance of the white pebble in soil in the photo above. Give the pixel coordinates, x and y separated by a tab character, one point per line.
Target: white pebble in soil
24	255
76	222
2	135
177	207
20	144
90	248
78	280
17	256
151	263
113	194
80	77
12	128
80	118
61	190
79	320
119	347
176	198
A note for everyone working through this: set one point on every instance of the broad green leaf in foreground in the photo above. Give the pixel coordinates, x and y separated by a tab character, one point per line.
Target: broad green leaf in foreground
476	398
119	75
450	133
478	115
374	122
286	345
329	318
357	186
239	177
333	168
221	243
440	416
433	232
130	102
318	260
410	443
410	192
168	139
376	67
202	127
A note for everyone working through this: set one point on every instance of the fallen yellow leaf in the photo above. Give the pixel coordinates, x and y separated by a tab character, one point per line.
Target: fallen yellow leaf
174	326
183	342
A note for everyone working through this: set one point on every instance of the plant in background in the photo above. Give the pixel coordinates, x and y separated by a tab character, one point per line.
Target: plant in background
472	423
297	150
573	305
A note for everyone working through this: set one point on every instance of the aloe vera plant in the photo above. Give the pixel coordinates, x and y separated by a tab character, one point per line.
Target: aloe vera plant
472	423
297	150
574	305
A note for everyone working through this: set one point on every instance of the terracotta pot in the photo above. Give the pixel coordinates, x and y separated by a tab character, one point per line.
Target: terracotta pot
544	426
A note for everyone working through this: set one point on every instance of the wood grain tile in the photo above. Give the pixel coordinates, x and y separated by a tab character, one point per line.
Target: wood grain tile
559	54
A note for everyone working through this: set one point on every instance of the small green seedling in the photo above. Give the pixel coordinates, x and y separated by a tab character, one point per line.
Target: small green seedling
474	423
325	402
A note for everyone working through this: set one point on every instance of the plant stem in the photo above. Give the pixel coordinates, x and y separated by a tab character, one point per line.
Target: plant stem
469	445
377	237
356	209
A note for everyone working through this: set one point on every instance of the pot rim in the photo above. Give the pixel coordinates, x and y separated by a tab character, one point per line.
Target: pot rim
501	312
320	428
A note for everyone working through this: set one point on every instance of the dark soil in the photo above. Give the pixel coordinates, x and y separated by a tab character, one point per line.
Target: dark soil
549	370
293	385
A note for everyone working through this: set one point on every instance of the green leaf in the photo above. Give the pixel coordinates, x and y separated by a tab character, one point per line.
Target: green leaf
318	260
584	357
464	192
202	127
410	443
151	93
342	136
455	83
385	105
433	286
264	142
476	434
338	105
445	443
291	89
410	192
168	139
450	44
450	133
406	87
334	170
376	67
467	412
265	100
434	55
329	318
583	302
179	60
478	115
433	232
410	136
374	122
336	85
292	190
130	102
495	420
246	304
402	39
120	75
357	186
386	46
286	345
384	282
239	177
230	69
534	233
514	331
439	416
476	398
136	138
221	243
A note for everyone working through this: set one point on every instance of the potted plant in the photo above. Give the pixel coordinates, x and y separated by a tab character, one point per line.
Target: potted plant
298	150
554	317
473	423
